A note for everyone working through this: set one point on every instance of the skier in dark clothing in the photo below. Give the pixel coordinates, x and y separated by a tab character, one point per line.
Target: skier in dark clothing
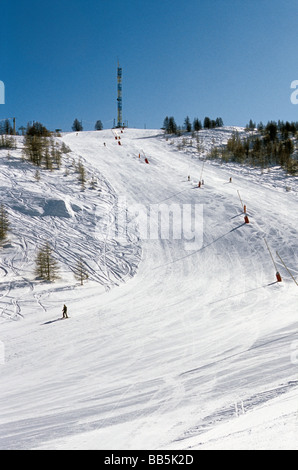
64	311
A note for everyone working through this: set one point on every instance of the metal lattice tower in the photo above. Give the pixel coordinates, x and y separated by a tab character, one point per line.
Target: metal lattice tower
119	99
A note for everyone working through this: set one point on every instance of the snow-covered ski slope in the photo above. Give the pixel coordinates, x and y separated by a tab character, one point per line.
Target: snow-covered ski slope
172	343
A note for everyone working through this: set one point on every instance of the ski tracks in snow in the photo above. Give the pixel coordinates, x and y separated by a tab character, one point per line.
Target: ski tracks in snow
79	223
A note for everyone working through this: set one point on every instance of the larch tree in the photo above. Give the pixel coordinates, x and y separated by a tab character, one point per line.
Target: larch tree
46	267
80	271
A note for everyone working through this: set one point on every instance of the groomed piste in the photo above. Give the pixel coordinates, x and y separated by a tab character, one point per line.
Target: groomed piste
182	337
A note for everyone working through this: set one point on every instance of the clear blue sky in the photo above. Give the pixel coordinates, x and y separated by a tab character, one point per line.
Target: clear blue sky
233	59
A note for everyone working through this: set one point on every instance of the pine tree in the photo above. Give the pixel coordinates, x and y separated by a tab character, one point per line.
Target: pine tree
98	125
172	126
166	124
4	224
207	123
271	131
77	126
80	272
46	267
219	122
251	125
8	130
37	129
197	125
187	124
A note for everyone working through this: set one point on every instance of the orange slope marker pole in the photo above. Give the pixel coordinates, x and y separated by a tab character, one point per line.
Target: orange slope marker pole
287	269
278	276
246	219
145	157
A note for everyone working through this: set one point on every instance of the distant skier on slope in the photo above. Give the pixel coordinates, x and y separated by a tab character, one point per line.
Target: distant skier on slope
64	311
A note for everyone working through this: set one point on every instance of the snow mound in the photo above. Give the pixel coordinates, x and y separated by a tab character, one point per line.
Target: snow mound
56	208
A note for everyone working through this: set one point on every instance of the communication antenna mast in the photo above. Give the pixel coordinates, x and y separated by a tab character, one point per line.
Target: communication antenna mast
119	99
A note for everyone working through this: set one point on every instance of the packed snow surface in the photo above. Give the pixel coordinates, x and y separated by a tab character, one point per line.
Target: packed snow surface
181	338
